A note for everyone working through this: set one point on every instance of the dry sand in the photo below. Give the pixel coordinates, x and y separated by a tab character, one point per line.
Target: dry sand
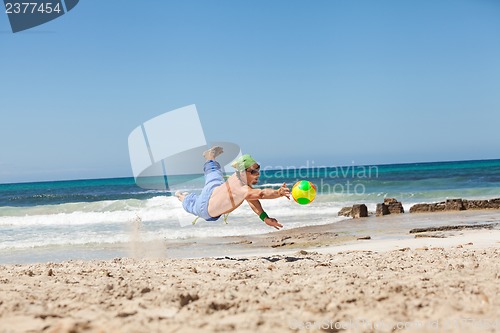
343	284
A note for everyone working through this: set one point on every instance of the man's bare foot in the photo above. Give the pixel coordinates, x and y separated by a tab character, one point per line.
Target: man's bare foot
212	153
181	195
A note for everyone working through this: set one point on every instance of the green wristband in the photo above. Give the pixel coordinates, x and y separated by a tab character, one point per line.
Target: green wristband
263	216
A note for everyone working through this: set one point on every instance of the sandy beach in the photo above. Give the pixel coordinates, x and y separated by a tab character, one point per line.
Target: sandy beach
362	275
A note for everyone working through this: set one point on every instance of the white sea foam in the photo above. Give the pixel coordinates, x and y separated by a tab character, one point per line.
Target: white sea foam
109	222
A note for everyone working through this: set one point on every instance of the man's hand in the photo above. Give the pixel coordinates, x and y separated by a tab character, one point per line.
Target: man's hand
284	191
272	222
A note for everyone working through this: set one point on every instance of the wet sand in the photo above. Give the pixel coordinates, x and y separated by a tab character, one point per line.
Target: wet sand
388	232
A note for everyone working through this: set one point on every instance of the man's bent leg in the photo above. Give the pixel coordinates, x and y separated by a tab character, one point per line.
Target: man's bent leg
189	204
213	179
213	173
198	204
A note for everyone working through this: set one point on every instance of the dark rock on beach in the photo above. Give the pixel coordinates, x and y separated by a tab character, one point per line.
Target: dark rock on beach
390	206
346	211
382	210
495	203
455	205
356	211
424	207
455	227
359	211
477	204
482	204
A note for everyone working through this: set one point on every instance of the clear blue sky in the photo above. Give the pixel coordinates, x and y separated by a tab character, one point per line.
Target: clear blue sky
334	82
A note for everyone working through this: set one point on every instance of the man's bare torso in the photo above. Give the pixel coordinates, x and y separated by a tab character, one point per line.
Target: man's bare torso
227	197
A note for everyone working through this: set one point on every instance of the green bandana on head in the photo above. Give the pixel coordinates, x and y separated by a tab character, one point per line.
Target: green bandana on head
243	162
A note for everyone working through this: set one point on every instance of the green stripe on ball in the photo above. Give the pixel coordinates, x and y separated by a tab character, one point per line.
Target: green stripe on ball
303	201
304	185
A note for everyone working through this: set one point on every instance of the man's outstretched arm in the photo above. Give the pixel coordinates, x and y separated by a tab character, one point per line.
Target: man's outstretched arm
257	208
268	193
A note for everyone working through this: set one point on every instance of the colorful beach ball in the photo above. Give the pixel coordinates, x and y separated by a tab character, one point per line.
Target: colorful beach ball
304	192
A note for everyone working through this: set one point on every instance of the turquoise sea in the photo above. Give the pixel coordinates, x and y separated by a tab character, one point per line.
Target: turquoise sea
84	219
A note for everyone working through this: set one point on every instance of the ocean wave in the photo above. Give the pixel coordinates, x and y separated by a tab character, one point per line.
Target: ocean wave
155	209
162	208
243	222
109	211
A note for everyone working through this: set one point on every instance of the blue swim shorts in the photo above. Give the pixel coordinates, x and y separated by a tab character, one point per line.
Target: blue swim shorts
198	204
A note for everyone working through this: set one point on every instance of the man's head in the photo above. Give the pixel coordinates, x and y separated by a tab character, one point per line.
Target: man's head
247	168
